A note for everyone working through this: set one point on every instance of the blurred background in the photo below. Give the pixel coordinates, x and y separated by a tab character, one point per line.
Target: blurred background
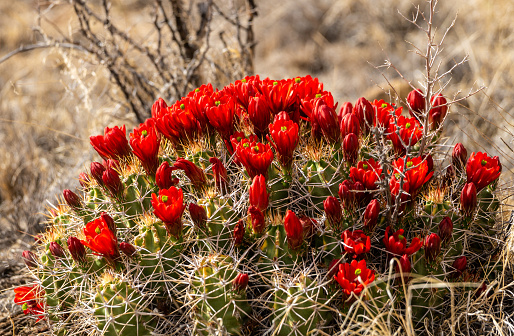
70	68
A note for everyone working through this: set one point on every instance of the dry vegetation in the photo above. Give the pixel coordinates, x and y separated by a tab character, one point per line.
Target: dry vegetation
53	98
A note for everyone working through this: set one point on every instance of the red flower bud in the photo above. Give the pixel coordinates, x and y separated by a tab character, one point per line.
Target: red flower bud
259	114
364	112
97	171
56	250
239	232
333	211
482	170
84	180
145	142
259	193
195	174
113	144
158	106
350	194
240	282
29	258
468	199
294	230
308	225
220	175
198	215
258	223
460	266
416	102
432	247
351	148
446	229
109	222
285	139
371	215
128	249
459	156
77	250
112	182
163	177
356	242
333	268
346	108
438	111
168	207
72	199
349	124
404	264
324	118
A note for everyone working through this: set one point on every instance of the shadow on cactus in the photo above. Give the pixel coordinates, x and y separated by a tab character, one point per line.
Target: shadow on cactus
265	209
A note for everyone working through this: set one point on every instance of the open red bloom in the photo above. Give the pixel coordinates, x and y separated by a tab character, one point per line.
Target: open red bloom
31	299
168	207
356	242
353	277
384	112
294	230
113	144
482	169
178	123
417	173
259	193
285	139
409	129
221	115
255	156
195	174
397	243
145	143
100	238
367	172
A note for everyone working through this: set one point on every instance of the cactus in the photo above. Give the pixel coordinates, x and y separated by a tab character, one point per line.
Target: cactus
222	217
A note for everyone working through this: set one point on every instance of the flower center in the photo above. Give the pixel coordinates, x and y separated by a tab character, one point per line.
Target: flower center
275	83
283	128
182	106
358	272
401	237
164	198
217	103
97	230
238	139
246	144
364	166
384	105
256	148
318	95
297	80
197	90
25	306
483	163
407	125
243	80
409	164
144	133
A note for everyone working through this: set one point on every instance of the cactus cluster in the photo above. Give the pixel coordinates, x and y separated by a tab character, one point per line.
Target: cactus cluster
264	209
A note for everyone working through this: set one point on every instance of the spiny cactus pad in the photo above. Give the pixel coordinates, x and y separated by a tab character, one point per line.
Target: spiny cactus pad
264	209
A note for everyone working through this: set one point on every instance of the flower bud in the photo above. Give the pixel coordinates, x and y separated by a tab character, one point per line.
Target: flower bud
163	177
333	211
346	108
97	171
364	112
416	101
84	180
324	117
294	230
333	268
220	174
349	124
128	249
308	225
77	250
468	199
460	266
259	193
371	215
29	258
198	215
351	148
432	247
240	282
109	222
448	177
195	174
57	250
438	112
239	232
112	182
72	199
403	266
459	156
446	229
258	223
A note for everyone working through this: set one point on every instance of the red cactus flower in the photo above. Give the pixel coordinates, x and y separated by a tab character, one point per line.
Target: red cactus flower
113	144
438	112
353	277
163	177
397	243
257	217
324	118
446	229
356	242
459	156
351	148
371	215
195	174
259	113
220	175
178	123
416	102
72	199
239	232
416	174
221	116
432	246
31	300
459	265
100	239
240	282
384	112
349	124
145	143
367	172
158	107
77	250
259	193
482	169
468	199
333	211
198	215
404	132
255	156
168	207
285	139
56	250
294	230
364	111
